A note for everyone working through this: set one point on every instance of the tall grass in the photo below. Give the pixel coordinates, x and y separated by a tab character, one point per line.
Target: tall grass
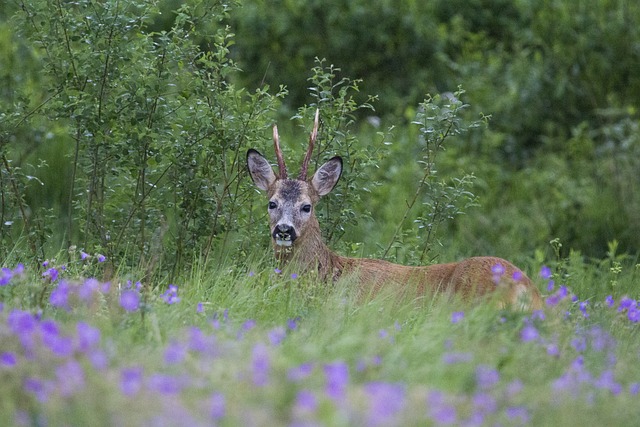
232	345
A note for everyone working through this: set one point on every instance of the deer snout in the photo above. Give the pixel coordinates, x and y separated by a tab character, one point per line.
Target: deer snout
284	234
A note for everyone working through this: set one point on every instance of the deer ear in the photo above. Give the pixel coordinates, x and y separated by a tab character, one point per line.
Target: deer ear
260	170
327	176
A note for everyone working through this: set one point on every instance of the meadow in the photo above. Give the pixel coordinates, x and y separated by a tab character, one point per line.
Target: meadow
137	284
236	346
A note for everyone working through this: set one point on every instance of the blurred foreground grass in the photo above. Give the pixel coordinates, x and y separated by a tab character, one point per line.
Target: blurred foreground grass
235	346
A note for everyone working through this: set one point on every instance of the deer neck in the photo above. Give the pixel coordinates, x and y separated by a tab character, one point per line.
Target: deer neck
309	252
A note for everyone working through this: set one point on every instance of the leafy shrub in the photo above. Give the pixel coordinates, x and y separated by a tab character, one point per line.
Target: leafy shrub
153	134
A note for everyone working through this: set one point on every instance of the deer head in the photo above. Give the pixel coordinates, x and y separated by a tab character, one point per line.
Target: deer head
292	201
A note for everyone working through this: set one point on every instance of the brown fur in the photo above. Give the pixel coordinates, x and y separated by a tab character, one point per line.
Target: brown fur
469	278
293	223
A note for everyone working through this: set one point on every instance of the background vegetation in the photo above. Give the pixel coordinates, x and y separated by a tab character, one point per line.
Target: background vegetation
124	125
136	282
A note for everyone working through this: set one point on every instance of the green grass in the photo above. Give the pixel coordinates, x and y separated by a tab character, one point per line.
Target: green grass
250	346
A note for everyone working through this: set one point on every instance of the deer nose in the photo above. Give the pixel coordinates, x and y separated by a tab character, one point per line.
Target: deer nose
284	234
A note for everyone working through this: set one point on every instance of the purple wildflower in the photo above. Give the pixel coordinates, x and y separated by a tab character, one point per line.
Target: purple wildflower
626	303
337	377
104	288
5	276
518	413
529	333
217	406
440	411
485	403
87	290
634	315
70	378
200	342
306	402
551	285
486	377
38	388
171	295
60	296
101	258
601	339
130	381
545	272
563	292
56	343
260	365
165	384
200	308
130	300
609	301
8	359
538	315
607	382
498	269
634	388
457	316
293	323
553	350
552	300
579	344
174	353
98	359
578	363
277	270
83	255
21	322
294	276
51	274
19	270
49	327
300	372
385	402
277	335
497	272
248	325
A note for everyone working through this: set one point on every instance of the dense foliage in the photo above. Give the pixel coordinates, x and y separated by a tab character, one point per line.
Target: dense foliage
123	126
136	286
561	153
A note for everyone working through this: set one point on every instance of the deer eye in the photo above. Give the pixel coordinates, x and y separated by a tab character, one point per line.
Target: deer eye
273	205
306	208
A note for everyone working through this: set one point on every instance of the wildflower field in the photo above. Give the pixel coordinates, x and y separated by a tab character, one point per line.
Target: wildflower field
137	285
231	347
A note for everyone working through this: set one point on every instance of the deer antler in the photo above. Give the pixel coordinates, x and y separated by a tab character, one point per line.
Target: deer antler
282	168
312	141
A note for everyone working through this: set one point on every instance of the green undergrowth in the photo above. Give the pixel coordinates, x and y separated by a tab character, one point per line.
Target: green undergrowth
234	345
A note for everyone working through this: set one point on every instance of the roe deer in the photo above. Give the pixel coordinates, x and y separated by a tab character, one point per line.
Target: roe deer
296	238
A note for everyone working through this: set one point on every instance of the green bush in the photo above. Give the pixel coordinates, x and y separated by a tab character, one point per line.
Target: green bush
149	136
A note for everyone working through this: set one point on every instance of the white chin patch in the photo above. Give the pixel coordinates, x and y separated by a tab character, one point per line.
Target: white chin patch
283	242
